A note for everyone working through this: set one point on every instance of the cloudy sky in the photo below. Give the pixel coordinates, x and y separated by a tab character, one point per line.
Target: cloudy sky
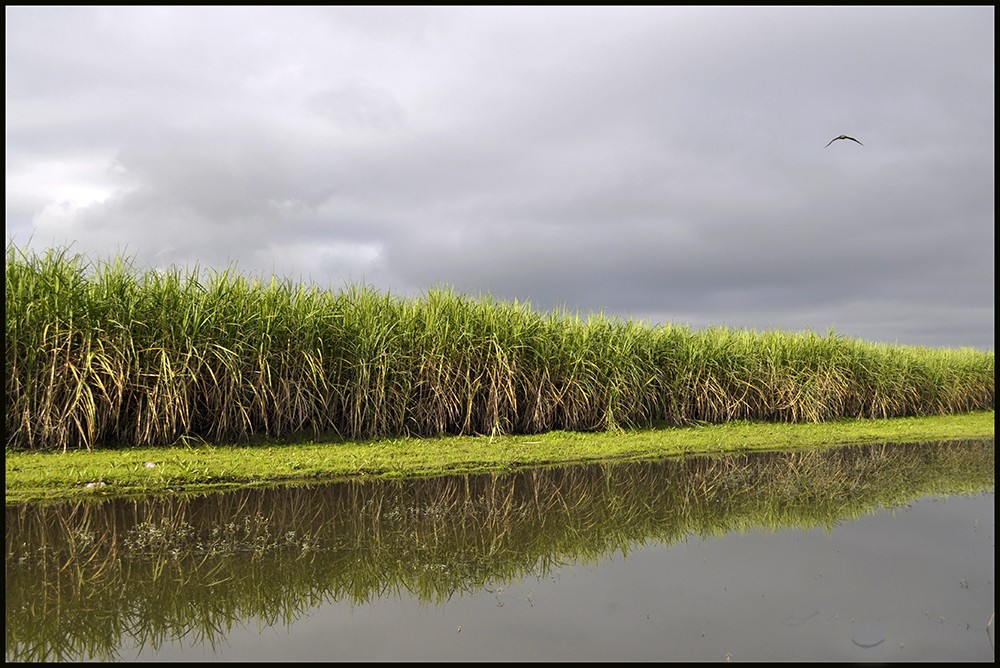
668	164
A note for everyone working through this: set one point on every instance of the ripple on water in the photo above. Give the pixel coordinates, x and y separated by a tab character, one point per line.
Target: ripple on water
867	635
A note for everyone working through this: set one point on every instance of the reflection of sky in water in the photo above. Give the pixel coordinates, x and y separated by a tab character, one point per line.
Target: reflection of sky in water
916	582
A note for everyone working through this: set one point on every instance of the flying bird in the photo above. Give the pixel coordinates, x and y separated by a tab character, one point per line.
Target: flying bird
843	137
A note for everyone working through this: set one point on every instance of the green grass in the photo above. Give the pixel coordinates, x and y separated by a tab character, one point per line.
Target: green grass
38	476
101	355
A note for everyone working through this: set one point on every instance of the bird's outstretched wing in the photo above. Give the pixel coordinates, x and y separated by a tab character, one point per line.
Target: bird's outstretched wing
843	137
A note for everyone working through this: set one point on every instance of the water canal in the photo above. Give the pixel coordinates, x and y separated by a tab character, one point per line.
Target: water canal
859	553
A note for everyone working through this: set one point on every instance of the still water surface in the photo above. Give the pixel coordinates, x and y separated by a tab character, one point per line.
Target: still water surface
865	553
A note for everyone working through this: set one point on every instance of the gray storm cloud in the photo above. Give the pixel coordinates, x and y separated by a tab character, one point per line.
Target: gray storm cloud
661	163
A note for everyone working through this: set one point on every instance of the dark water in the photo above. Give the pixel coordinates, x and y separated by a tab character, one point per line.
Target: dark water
864	553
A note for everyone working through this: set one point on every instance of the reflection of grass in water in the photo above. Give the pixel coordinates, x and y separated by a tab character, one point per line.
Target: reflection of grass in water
252	535
82	578
102	353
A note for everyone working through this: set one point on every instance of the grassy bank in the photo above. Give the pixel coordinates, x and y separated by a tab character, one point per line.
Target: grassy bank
100	354
39	476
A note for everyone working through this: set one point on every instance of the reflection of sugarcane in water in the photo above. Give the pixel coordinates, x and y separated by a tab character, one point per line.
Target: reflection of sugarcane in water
277	552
